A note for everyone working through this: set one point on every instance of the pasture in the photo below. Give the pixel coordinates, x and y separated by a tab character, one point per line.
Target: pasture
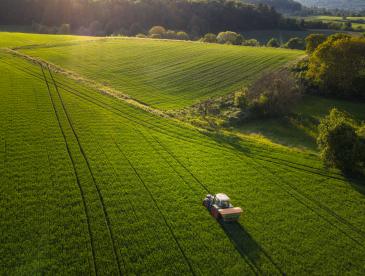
91	185
166	74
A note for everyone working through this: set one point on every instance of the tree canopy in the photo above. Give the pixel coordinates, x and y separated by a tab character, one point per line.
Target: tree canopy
132	17
338	66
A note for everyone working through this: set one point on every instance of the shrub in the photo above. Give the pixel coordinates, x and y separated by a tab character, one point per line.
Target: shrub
251	42
274	94
273	43
339	144
170	34
64	29
155	36
141	36
157	30
228	38
182	36
295	43
313	41
209	38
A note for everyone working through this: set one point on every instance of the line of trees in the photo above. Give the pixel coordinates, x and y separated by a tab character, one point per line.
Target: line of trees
131	17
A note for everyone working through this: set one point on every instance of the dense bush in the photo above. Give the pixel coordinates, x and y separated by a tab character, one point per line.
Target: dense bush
229	37
273	42
251	42
295	43
339	143
313	41
182	36
274	94
210	38
157	30
337	66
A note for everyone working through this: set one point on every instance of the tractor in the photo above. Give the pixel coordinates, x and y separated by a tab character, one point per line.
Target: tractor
220	208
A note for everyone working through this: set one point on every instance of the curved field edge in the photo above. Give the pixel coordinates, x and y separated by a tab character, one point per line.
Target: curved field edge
152	174
166	74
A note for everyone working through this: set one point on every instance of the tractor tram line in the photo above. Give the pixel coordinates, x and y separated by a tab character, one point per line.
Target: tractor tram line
159	210
92	176
301	201
188	139
82	193
152	126
254	266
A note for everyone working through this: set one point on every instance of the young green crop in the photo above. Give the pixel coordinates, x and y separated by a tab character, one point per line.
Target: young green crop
91	184
166	74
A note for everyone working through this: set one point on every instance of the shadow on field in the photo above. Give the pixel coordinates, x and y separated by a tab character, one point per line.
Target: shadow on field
248	248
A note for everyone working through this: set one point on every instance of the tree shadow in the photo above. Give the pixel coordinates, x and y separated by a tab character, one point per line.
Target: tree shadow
254	255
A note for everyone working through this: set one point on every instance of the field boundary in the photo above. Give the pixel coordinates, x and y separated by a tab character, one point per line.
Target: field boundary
102	89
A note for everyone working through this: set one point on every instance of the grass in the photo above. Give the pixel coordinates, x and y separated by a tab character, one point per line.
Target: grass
92	185
300	129
166	74
12	40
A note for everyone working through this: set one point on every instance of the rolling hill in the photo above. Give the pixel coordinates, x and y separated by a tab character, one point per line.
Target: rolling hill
165	74
93	185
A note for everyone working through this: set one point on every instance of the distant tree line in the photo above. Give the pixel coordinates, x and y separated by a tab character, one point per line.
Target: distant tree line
105	17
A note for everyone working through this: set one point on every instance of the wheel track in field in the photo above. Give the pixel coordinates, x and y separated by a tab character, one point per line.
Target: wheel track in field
75	172
252	145
158	208
153	127
254	267
117	111
173	168
107	219
248	155
302	202
117	177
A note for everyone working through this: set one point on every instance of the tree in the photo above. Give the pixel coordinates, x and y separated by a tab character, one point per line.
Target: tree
157	30
273	42
274	94
251	42
339	144
337	66
313	41
182	36
64	29
210	38
295	43
228	38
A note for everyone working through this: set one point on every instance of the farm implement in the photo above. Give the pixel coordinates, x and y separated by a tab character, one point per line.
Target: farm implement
220	207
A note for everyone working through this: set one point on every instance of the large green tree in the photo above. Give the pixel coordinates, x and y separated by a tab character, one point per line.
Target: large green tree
339	142
338	66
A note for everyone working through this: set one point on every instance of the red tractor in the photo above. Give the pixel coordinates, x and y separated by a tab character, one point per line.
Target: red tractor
221	208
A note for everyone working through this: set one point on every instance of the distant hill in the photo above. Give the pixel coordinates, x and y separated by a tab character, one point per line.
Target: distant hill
335	4
284	6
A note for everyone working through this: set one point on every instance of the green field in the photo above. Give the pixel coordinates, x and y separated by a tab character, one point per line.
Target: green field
93	185
12	40
166	74
337	19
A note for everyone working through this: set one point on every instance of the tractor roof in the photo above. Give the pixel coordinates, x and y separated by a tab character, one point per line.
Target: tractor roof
222	197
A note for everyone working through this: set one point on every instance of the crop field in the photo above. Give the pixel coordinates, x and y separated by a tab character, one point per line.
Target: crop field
166	74
12	40
92	185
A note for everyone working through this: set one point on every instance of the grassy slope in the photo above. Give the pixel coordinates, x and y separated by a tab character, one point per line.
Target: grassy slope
300	129
142	193
11	40
166	74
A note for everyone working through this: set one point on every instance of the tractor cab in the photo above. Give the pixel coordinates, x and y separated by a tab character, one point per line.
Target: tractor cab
222	201
220	207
